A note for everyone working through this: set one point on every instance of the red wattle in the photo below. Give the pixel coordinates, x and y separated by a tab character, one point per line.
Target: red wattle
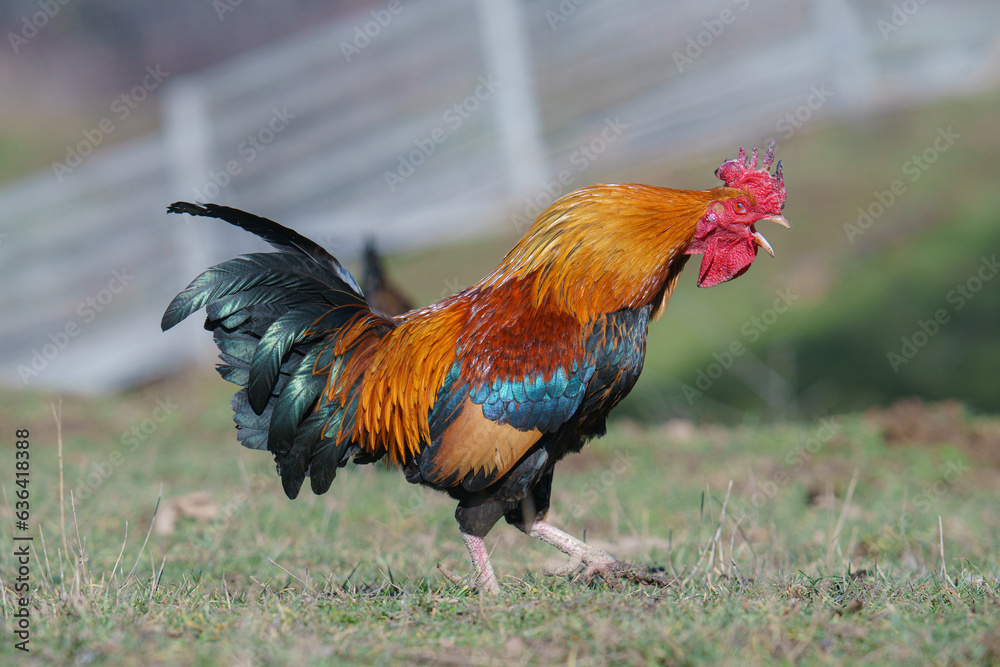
724	259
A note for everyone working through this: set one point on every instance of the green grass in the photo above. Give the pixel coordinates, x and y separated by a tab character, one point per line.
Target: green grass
818	571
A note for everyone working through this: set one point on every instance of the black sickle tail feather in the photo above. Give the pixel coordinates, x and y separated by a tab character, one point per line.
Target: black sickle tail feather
282	238
274	317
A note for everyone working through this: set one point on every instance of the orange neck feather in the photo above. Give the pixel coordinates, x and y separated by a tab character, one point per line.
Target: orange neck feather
605	247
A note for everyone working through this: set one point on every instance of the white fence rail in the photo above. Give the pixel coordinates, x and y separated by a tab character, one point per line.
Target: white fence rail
405	126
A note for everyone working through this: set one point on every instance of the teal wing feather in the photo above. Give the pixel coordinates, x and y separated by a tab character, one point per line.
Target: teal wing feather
530	402
566	405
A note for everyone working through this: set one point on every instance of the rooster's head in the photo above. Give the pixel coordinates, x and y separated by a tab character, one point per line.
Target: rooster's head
725	234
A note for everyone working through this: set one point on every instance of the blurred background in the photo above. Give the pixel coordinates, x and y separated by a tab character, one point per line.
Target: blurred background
441	128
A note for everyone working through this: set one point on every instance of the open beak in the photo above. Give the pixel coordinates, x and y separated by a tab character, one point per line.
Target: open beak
780	219
761	241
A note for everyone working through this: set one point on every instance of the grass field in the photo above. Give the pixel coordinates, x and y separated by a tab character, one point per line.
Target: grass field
839	560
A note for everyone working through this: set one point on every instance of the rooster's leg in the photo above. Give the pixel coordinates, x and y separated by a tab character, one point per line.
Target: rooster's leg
596	561
486	579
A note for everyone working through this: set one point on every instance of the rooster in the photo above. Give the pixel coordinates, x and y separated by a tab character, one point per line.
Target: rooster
480	394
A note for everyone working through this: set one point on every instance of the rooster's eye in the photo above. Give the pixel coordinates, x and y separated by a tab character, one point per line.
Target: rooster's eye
740	208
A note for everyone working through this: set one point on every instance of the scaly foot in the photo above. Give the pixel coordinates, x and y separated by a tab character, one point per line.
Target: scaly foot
485	578
593	561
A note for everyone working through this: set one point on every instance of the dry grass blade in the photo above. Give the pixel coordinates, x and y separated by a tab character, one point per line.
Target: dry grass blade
717	538
45	554
304	584
944	566
143	547
120	554
156	575
81	555
835	538
57	416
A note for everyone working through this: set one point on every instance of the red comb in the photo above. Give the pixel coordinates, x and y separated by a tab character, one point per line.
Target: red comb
743	173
